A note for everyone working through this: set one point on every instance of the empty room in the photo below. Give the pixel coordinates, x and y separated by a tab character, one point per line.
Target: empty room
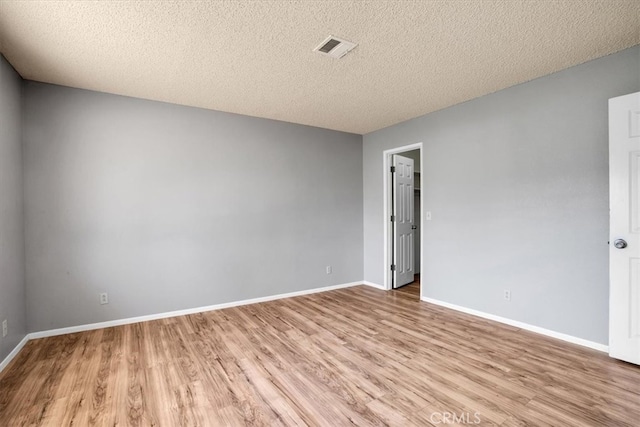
322	213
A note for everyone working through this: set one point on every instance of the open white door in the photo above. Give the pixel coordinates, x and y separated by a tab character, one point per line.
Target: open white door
624	249
403	259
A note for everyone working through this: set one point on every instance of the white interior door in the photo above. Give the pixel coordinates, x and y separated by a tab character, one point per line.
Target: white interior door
403	259
416	229
624	248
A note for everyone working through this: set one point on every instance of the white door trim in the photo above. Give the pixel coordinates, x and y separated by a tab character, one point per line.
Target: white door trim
386	198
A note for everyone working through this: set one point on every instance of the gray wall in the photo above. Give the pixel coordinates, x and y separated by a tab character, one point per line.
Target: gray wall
12	299
168	207
517	182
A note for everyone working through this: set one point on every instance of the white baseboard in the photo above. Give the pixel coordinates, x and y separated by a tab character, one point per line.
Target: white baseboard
521	325
127	321
373	285
111	323
14	352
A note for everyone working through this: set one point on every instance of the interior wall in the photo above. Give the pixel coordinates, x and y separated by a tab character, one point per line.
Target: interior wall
517	183
167	207
12	297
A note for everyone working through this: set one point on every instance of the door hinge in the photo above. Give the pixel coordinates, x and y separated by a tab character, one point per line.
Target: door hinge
393	218
393	169
393	267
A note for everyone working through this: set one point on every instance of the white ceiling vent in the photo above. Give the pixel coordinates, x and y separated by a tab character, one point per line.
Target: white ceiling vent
335	47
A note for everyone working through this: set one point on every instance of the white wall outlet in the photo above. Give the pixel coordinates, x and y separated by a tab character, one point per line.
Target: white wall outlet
427	215
5	328
329	269
507	295
104	298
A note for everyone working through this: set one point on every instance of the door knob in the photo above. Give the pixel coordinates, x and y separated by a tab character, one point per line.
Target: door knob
620	243
413	227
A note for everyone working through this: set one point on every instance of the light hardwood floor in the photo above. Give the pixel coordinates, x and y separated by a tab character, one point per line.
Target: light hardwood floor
412	290
354	356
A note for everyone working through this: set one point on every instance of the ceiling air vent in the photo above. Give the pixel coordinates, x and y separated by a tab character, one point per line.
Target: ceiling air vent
335	47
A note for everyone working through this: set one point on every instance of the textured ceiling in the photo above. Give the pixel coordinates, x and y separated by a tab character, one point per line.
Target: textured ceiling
256	58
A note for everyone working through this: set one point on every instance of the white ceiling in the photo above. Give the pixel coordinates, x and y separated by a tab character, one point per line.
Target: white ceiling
256	58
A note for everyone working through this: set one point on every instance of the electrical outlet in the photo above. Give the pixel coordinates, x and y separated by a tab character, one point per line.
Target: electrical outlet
507	295
5	328
329	269
104	298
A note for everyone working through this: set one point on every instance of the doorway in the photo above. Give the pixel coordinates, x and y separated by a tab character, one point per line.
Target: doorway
403	213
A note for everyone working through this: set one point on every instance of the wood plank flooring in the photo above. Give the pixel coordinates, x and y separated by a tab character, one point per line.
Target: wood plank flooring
412	290
356	356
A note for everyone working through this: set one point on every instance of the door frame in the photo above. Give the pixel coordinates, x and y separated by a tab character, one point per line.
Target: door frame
387	209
